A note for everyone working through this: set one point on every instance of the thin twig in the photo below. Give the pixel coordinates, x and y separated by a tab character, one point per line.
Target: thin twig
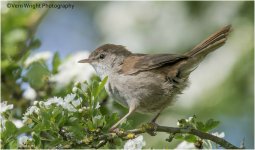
152	128
202	135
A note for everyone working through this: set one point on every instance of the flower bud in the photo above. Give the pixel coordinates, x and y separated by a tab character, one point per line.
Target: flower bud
76	83
80	110
36	102
33	133
75	89
41	104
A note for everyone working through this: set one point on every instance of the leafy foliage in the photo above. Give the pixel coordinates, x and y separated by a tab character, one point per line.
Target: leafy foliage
74	121
37	74
193	123
55	63
17	43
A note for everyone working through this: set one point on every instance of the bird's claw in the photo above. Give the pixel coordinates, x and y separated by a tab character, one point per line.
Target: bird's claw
114	130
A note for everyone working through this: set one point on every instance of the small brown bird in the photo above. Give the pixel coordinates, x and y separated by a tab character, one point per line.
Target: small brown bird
149	83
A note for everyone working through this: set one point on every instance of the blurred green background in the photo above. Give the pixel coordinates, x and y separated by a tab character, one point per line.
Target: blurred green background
222	87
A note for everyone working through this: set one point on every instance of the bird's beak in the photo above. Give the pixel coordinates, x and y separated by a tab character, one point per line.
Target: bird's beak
85	61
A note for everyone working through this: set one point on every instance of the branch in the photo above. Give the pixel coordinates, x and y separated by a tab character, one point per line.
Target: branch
152	128
202	135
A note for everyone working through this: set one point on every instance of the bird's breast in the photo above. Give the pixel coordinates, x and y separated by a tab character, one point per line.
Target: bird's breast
115	93
148	90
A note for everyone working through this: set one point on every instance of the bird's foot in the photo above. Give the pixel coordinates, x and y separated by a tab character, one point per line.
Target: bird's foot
114	130
153	125
151	128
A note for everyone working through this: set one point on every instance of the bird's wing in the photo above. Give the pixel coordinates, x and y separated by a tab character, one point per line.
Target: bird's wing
142	62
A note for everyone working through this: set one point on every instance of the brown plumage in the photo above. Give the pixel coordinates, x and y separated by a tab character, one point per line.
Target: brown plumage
141	62
149	83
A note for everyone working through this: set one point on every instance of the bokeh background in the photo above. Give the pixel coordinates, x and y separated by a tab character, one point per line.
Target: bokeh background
222	87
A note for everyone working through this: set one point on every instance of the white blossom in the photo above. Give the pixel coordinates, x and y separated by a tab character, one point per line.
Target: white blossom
65	103
84	87
189	119
69	107
25	119
45	55
41	104
76	102
98	105
18	123
135	144
185	145
29	93
98	117
5	107
54	100
23	139
178	123
31	110
220	135
211	145
36	102
3	120
71	70
69	98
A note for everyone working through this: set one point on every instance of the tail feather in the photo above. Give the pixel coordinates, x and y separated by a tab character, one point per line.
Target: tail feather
218	38
198	53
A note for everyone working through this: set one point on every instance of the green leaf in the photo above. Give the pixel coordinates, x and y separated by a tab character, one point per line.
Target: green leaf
23	129
24	57
13	144
200	126
127	124
61	121
190	138
39	127
111	119
55	63
178	136
55	142
101	86
37	74
46	118
61	118
77	130
11	129
211	124
90	125
35	44
37	140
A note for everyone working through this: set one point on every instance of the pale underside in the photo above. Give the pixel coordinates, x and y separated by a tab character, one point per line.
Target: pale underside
149	91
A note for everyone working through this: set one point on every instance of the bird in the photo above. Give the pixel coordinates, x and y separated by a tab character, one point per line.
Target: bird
149	83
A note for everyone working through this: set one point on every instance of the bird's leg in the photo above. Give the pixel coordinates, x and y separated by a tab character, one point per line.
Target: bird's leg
131	110
156	117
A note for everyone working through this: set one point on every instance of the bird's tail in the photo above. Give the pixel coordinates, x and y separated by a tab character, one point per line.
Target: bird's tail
198	53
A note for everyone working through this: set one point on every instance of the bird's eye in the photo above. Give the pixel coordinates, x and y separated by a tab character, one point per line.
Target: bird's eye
101	56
